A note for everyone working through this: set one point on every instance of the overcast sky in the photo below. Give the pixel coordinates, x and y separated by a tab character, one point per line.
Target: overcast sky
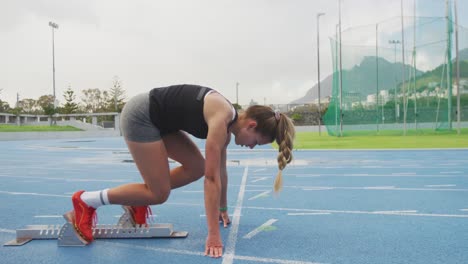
268	46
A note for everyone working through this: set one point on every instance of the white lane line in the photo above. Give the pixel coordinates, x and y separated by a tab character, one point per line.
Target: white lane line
307	176
62	179
260	228
193	191
400	213
378	175
308	214
382	188
48	216
260	179
441	185
269	260
318	188
201	254
263	194
395	212
7	231
403	173
257	170
372	212
379	188
450	172
464	210
34	194
230	249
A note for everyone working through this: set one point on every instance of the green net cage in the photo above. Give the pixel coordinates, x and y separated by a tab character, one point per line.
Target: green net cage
386	82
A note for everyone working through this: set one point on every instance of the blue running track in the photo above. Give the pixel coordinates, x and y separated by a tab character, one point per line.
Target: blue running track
395	206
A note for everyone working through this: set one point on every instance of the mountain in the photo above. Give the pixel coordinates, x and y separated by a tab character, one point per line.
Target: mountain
361	79
462	54
326	86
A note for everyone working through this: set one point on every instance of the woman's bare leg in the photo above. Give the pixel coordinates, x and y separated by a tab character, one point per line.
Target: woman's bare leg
151	160
182	149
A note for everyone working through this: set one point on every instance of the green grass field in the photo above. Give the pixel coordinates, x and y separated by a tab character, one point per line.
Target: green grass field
385	140
312	140
12	128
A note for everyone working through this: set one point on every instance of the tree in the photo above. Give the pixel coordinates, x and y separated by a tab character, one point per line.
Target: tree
253	102
46	102
237	106
94	100
70	106
28	106
4	107
116	96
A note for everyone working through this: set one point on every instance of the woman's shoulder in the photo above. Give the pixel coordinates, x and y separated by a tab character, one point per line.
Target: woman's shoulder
216	105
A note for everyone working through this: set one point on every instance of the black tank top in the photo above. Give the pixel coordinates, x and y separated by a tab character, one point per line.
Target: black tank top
180	107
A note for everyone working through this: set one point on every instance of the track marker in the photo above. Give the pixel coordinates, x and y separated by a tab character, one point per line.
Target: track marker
441	185
309	213
260	179
263	194
265	227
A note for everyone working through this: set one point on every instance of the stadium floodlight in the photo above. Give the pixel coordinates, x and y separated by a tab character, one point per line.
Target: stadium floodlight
53	26
318	70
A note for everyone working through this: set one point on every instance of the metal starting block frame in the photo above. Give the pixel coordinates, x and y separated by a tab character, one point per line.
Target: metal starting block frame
67	235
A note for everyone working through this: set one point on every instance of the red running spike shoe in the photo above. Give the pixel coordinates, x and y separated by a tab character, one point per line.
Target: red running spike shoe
139	214
85	217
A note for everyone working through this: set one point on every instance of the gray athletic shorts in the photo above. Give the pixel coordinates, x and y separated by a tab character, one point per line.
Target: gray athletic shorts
135	120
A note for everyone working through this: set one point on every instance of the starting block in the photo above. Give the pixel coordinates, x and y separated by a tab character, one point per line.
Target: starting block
67	235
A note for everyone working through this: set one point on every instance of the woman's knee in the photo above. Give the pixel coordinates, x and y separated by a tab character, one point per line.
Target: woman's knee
160	195
198	168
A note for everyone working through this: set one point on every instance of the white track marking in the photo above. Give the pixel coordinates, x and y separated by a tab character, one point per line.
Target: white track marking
201	254
399	213
230	249
260	228
63	179
375	175
260	179
441	185
381	188
2	230
308	214
259	195
34	194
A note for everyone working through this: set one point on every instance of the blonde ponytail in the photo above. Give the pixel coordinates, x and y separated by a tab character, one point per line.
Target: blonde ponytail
276	126
285	138
278	181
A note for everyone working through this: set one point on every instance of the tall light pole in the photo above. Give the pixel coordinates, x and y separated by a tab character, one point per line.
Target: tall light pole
318	71
403	68
53	26
341	70
458	68
237	93
395	43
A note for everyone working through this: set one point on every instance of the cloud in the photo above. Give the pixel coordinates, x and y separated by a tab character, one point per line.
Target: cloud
14	13
268	46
